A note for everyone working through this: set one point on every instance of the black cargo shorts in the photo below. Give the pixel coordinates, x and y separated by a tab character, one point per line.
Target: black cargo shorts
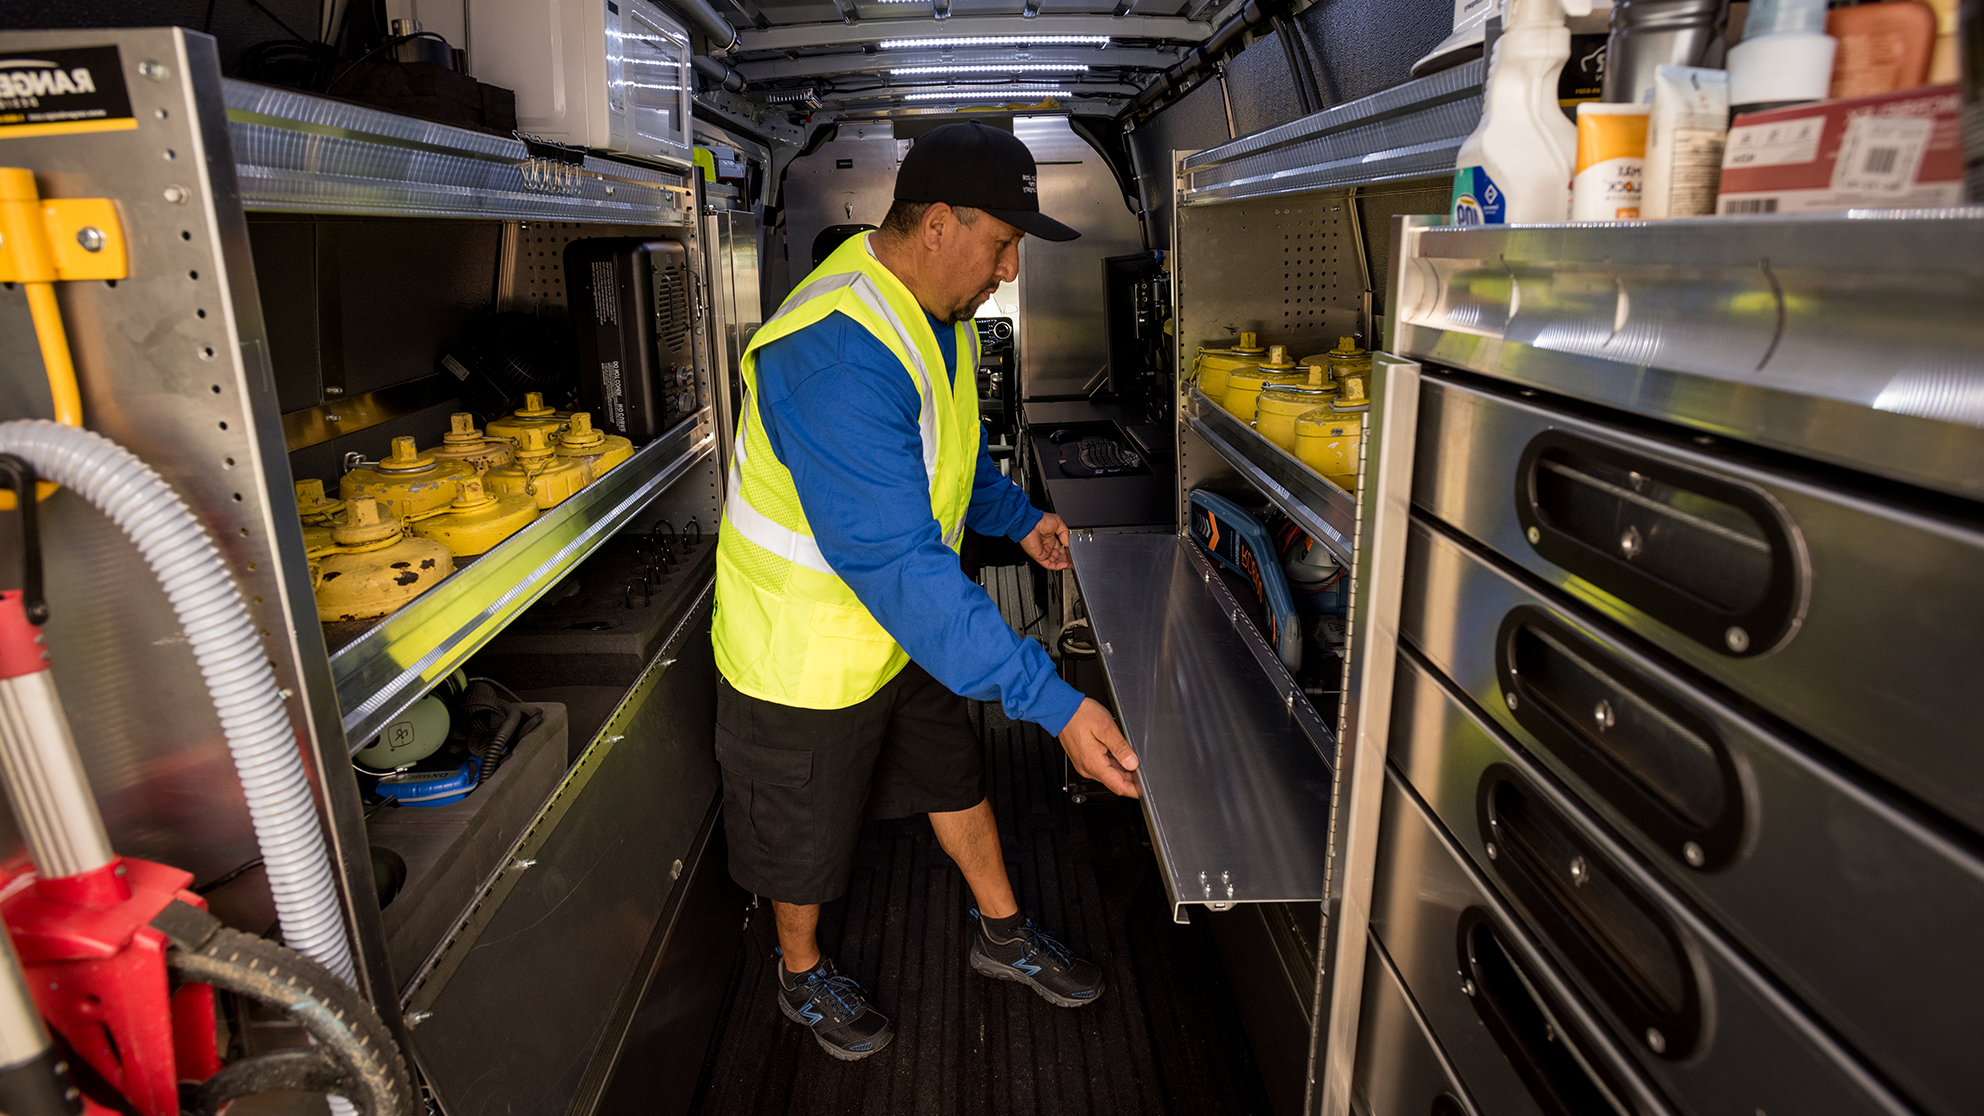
798	783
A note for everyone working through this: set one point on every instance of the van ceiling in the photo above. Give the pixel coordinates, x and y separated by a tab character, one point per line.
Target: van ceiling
855	58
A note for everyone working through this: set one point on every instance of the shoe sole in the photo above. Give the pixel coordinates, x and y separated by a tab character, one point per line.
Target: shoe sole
833	1051
988	967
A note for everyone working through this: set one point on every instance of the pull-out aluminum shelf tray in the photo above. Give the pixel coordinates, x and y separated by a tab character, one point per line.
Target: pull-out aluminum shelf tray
1235	786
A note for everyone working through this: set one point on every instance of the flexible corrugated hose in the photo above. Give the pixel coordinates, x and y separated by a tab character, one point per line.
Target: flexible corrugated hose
231	659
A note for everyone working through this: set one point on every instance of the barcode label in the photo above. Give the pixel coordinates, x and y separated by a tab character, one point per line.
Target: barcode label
1749	205
1880	155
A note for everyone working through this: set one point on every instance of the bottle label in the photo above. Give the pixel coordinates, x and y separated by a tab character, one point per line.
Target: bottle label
1477	200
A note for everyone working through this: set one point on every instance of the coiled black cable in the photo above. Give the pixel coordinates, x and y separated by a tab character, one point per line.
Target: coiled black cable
354	1057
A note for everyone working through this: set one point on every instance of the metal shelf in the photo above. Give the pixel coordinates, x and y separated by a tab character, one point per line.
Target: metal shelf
1326	512
299	153
1408	131
1856	330
401	657
1236	787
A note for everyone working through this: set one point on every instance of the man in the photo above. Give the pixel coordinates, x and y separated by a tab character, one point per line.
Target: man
845	629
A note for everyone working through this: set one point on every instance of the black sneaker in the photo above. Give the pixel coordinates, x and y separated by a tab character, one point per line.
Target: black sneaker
835	1009
1034	958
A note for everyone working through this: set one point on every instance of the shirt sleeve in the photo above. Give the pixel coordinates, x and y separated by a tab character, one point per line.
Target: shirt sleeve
998	506
842	417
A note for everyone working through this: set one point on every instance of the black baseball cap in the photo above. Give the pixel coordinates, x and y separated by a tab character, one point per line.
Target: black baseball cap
980	166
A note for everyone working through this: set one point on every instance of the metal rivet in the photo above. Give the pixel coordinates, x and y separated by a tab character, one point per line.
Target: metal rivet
520	865
1580	871
1693	854
1493	852
1655	1041
1535	536
1467	988
91	238
176	195
1227	879
1108	650
1737	639
675	870
1602	713
153	69
1510	697
1629	543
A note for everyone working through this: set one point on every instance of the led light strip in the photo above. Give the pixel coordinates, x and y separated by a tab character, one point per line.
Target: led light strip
998	40
1009	68
994	94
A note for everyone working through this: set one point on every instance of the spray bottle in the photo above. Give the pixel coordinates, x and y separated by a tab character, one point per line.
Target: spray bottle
1516	167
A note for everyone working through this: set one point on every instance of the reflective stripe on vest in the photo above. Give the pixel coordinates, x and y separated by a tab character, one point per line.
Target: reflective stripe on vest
787	629
783	541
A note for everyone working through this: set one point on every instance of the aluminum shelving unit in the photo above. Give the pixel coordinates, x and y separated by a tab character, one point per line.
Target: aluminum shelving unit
1252	796
175	365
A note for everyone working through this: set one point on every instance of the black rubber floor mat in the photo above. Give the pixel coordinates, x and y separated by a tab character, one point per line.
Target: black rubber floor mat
1165	1037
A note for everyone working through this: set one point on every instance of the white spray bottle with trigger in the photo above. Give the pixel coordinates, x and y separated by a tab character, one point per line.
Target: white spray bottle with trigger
1516	167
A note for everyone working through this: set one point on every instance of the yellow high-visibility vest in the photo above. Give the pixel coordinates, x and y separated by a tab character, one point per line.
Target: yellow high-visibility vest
787	629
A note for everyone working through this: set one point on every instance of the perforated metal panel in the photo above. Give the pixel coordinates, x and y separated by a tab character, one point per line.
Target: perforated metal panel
1285	268
1315	251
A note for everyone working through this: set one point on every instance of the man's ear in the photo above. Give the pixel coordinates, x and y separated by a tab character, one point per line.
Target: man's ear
937	223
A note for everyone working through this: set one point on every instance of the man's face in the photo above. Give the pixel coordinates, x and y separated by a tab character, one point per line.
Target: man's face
971	261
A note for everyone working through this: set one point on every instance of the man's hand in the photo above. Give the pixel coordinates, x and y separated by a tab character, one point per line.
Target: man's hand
1047	544
1098	749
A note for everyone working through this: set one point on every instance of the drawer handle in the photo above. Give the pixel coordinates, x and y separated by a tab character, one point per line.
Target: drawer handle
1648	754
1561	1080
1714	559
1614	936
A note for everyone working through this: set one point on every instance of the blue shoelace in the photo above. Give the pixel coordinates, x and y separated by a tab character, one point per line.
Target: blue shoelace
1035	936
838	988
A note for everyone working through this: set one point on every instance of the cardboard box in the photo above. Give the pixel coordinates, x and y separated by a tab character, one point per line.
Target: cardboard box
1892	151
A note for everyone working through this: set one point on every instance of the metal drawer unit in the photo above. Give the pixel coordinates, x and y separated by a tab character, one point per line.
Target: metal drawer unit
1519	1038
1401	1070
1714	1033
1768	841
1845	606
1684	641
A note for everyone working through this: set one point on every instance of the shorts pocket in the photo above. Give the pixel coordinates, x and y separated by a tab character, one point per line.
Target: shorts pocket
779	767
768	802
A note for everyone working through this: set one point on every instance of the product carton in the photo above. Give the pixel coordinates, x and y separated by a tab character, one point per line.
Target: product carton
1892	151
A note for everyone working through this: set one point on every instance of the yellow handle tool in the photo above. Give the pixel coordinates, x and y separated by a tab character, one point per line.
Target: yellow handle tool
43	241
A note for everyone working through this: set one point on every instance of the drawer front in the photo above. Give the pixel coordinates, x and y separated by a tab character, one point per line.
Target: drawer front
1709	1033
1518	1039
1400	1069
1864	913
1854	618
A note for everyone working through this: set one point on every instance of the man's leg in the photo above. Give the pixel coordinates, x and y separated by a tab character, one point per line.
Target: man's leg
972	838
798	940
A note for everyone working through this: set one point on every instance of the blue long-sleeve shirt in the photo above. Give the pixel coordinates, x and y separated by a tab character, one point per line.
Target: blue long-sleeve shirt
841	415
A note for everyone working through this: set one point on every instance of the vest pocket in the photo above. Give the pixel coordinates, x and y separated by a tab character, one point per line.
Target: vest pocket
845	622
